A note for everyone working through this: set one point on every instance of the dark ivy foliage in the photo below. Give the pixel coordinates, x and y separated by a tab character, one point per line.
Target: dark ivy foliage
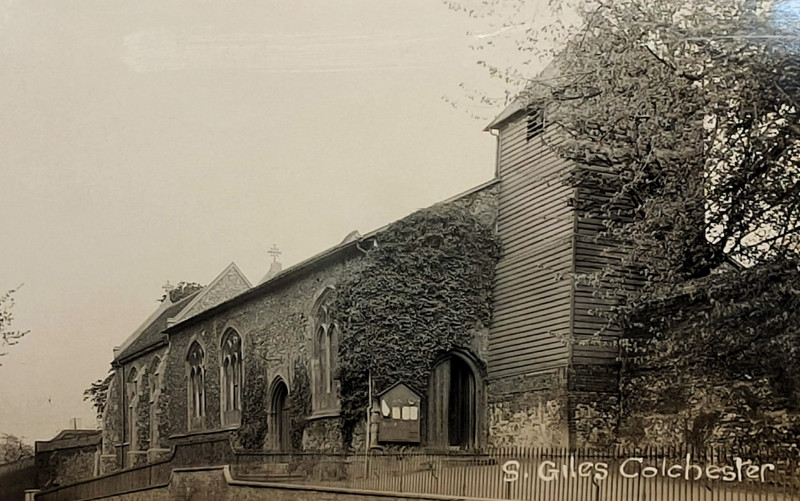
182	290
299	404
422	291
253	428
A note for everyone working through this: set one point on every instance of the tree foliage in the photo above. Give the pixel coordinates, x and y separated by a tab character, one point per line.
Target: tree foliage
13	449
97	393
684	119
690	110
182	290
687	114
8	335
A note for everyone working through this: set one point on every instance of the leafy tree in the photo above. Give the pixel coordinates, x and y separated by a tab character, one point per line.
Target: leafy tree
684	118
182	290
9	336
13	449
97	393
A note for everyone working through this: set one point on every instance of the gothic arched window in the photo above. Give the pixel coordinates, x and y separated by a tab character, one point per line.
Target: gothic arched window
132	396
325	351
231	369
196	388
153	381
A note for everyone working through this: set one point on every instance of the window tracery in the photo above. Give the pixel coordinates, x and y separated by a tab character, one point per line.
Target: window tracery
196	388
325	388
231	380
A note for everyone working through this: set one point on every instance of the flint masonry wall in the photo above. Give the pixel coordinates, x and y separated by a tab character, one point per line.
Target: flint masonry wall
529	410
274	323
275	331
70	457
665	407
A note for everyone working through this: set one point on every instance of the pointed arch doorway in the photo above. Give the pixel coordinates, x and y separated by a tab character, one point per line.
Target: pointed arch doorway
279	417
455	403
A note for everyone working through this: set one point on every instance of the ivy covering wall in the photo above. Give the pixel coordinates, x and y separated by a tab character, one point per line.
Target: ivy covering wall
299	404
253	428
420	292
143	412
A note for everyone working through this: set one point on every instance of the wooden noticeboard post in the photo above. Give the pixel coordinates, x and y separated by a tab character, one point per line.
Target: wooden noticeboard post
400	414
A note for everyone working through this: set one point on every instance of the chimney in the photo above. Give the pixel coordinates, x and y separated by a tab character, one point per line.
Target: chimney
274	267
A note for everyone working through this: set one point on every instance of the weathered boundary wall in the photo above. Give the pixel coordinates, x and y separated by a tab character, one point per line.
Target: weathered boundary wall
216	483
71	456
664	407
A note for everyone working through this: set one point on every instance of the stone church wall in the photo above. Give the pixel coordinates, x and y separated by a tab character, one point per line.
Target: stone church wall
529	410
594	405
275	333
563	407
275	325
112	426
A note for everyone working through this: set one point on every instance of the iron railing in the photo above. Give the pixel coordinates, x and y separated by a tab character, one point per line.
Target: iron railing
535	474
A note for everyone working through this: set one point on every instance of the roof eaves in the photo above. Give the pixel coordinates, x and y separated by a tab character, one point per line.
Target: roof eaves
164	313
509	113
144	350
180	316
302	266
269	284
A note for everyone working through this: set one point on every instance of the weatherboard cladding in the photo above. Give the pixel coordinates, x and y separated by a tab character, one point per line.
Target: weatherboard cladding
154	332
596	340
533	289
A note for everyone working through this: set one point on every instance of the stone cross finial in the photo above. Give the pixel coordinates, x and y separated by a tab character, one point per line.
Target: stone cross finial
274	252
168	287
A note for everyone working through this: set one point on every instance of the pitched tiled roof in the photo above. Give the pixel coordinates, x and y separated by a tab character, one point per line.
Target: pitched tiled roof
349	244
154	332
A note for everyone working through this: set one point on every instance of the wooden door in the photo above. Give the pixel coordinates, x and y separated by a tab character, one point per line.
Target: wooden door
279	431
439	404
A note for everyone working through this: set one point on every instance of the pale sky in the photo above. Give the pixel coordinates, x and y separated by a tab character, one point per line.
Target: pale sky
158	140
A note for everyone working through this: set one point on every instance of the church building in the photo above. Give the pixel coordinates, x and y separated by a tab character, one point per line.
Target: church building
276	366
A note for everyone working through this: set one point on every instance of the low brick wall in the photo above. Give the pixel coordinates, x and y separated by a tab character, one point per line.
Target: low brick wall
216	483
